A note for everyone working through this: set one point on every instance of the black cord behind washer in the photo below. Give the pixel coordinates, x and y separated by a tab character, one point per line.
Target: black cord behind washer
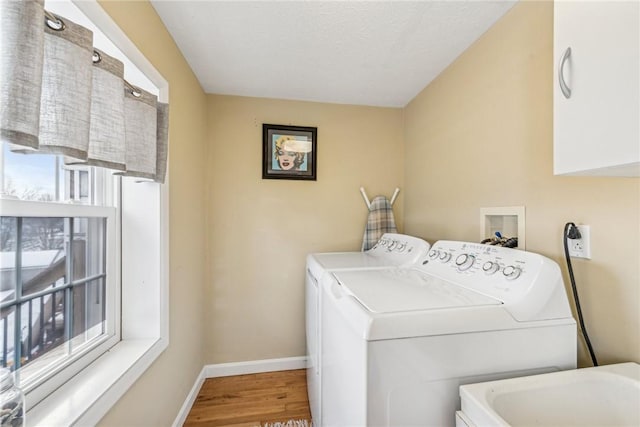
572	232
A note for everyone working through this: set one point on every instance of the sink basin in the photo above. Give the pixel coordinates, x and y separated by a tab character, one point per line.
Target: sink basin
602	396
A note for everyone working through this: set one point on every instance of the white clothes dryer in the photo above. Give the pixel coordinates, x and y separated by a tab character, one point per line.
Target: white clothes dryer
391	250
398	343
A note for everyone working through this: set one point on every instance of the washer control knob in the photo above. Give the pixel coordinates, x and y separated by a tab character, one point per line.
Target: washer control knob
444	256
392	245
401	247
490	267
465	261
511	272
433	254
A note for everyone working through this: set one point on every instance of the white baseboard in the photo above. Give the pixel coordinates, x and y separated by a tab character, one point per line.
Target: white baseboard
191	398
236	368
255	367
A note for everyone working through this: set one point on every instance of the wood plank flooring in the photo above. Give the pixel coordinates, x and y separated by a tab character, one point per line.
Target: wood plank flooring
251	400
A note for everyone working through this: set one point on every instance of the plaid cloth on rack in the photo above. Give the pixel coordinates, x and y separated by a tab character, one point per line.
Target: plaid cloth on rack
379	221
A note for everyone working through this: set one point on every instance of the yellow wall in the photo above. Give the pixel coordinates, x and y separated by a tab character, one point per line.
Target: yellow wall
481	135
259	231
155	399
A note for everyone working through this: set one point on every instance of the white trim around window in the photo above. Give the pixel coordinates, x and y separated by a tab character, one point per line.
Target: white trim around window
88	396
60	373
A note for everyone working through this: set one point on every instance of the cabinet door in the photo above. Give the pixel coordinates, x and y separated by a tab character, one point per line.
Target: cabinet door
597	129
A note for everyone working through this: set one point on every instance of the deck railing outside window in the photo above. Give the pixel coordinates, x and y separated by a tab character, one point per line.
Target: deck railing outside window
52	293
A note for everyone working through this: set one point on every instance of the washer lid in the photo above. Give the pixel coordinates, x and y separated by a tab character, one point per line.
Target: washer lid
402	290
346	260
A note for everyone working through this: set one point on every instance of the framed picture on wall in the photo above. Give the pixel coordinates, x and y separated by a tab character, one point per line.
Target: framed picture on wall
289	152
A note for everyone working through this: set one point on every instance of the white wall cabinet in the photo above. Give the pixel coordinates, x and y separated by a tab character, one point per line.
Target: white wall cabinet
597	126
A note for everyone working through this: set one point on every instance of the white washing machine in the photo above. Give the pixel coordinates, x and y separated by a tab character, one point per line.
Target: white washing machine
392	250
398	343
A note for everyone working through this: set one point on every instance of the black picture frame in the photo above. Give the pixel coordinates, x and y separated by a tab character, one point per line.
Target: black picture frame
289	152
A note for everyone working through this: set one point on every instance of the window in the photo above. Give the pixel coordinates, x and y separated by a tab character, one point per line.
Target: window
58	270
111	236
46	178
54	293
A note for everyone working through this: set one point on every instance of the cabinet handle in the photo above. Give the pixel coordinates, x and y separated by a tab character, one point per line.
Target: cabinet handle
566	90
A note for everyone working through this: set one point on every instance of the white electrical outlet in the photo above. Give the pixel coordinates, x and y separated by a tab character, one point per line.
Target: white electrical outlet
581	248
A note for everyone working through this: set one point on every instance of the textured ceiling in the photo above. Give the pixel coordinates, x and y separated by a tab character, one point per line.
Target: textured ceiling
349	52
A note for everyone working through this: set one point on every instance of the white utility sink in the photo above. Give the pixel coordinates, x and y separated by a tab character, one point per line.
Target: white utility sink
602	396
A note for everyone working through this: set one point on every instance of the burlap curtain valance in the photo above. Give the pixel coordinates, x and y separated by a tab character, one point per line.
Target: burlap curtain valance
60	95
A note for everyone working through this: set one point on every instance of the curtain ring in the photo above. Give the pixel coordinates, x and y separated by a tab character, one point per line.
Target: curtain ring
133	90
96	57
53	21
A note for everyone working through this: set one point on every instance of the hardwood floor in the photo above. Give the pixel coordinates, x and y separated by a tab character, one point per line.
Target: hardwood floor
251	400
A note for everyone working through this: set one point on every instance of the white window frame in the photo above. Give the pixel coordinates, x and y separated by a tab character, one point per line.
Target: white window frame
88	396
63	371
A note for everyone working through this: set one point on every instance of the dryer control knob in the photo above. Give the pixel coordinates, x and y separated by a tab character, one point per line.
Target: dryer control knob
465	261
433	254
511	272
490	267
444	256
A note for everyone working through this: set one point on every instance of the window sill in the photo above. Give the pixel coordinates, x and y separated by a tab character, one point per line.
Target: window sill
88	396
